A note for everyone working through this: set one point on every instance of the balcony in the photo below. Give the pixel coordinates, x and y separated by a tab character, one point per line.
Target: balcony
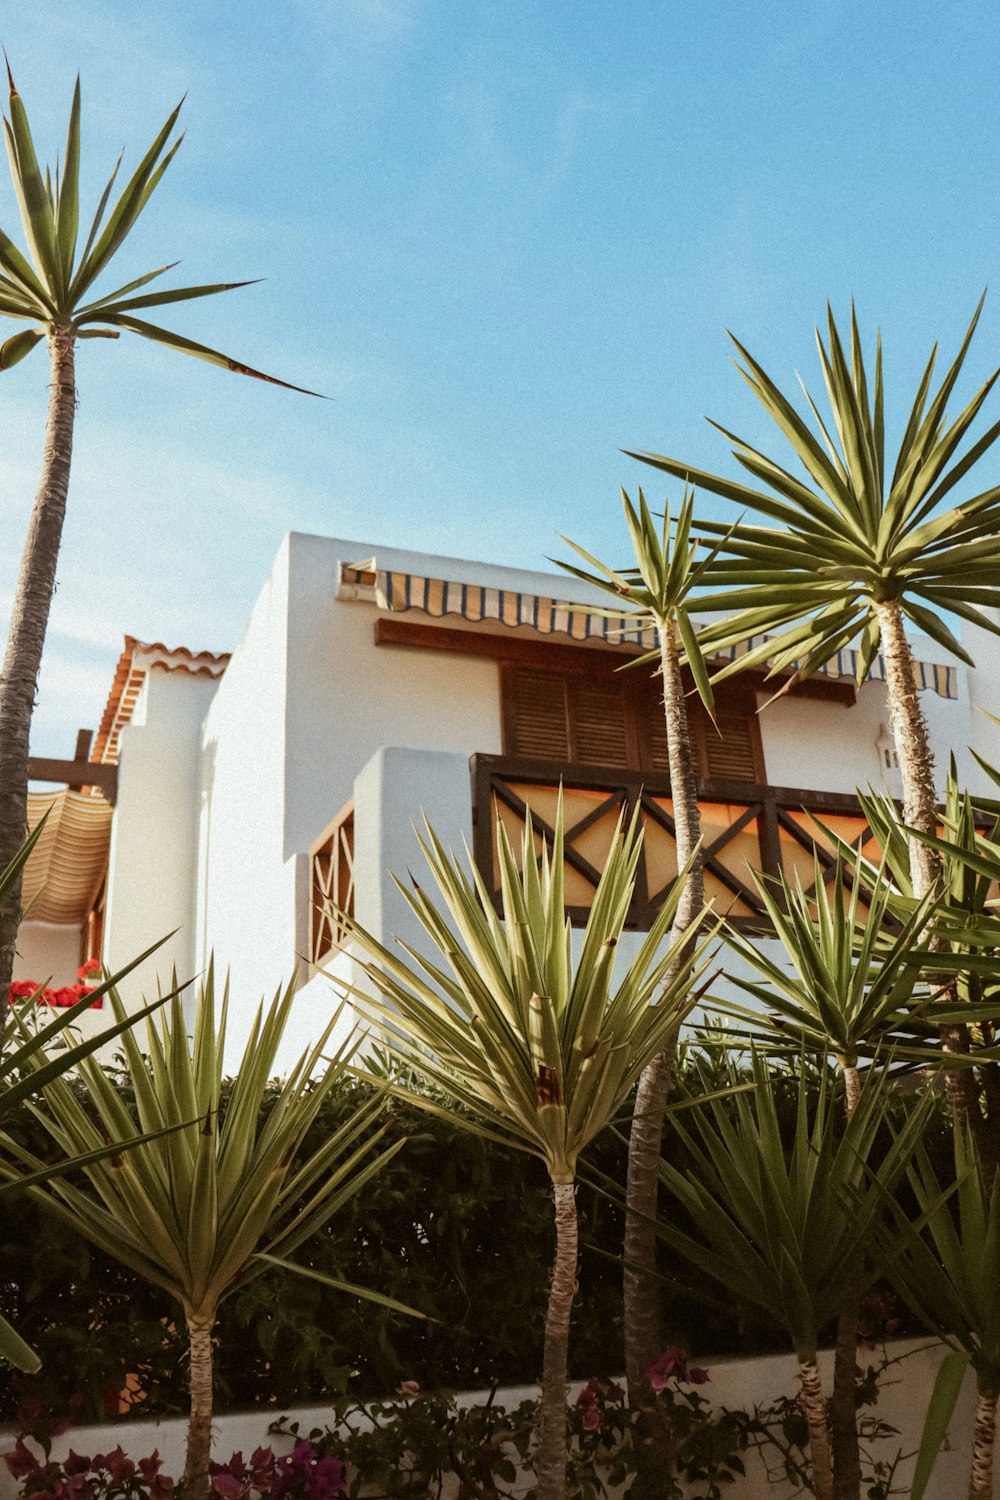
745	827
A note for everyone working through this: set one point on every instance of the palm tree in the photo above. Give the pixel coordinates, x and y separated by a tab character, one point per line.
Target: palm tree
948	1270
846	986
39	1053
658	596
52	290
855	549
790	1233
526	1045
220	1193
845	982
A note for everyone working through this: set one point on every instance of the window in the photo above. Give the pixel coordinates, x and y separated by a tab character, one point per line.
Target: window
615	719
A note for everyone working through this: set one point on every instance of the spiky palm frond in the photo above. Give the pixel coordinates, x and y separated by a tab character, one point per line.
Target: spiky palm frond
786	1231
849	976
540	1046
189	1209
853	534
52	285
661	588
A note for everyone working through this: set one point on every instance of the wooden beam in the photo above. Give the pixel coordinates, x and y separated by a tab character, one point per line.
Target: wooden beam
76	773
558	656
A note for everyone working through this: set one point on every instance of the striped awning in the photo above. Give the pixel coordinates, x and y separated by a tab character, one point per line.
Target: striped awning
437	597
66	867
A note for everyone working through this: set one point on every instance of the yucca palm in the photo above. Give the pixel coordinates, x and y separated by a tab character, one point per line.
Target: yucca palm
203	1209
658	595
52	289
961	959
844	984
849	977
38	1053
528	1045
856	546
788	1232
948	1270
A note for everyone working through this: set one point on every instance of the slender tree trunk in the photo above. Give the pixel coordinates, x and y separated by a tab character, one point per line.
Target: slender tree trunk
814	1409
981	1478
643	1324
916	765
843	1407
552	1448
194	1485
909	730
26	637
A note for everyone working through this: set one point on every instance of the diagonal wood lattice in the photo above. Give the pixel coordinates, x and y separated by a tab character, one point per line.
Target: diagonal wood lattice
745	827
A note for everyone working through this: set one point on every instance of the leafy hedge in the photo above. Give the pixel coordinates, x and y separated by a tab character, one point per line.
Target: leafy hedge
455	1226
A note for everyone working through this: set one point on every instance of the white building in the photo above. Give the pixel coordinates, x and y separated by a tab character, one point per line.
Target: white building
372	686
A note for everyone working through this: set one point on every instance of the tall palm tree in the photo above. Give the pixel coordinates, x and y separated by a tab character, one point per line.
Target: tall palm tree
842	986
791	1233
948	1270
658	595
32	1056
221	1192
855	548
52	290
528	1045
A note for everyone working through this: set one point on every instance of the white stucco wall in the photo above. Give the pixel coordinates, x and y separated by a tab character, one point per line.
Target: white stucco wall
154	854
245	908
734	1384
48	952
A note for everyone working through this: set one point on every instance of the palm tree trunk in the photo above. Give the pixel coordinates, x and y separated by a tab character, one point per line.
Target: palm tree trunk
194	1485
909	730
916	765
26	637
814	1409
552	1448
643	1324
981	1478
843	1407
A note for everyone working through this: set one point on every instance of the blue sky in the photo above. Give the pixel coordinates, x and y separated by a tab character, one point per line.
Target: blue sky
506	240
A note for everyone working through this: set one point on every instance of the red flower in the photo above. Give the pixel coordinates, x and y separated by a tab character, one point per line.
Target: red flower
92	966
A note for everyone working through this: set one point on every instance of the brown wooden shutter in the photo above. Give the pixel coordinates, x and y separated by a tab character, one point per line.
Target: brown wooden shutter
536	721
597	714
730	748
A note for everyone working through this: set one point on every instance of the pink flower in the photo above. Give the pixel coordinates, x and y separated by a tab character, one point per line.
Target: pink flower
592	1417
408	1388
697	1375
120	1466
21	1461
75	1463
228	1486
671	1364
151	1466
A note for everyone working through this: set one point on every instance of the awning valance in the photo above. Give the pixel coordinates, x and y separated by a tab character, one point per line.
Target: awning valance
437	597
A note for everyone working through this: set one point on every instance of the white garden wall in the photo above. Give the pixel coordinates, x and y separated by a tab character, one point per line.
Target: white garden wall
736	1384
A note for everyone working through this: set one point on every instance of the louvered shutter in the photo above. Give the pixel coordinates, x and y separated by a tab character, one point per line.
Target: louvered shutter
538	723
597	712
729	748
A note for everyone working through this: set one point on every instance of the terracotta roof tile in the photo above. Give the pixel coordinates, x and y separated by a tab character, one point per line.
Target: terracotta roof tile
136	660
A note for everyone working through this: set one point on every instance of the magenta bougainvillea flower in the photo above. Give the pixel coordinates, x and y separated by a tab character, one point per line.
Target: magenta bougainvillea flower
672	1364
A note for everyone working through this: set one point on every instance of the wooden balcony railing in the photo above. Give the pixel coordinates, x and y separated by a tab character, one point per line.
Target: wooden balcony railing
331	884
745	827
